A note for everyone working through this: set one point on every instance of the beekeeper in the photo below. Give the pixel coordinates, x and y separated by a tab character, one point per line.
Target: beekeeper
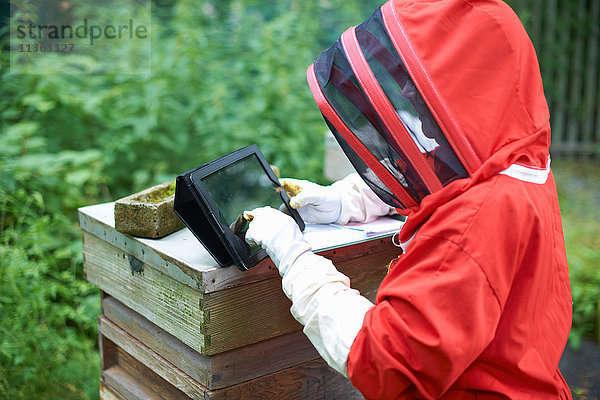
439	106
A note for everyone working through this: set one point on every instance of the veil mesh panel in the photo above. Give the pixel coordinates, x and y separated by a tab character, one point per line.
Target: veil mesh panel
343	92
345	95
406	99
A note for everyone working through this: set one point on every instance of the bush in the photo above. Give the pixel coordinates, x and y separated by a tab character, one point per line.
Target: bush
579	196
48	312
224	75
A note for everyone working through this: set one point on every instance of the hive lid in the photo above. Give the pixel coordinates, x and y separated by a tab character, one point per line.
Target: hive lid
180	256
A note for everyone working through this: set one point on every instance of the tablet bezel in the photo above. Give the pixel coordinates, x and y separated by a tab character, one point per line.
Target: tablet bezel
240	250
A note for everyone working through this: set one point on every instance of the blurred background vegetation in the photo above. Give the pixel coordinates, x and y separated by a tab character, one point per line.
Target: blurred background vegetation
225	74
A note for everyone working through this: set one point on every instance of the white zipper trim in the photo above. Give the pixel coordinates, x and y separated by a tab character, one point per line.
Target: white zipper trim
517	171
528	174
404	245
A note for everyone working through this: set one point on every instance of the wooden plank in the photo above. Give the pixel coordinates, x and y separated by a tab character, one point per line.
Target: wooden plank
146	379
145	374
252	313
536	24
575	80
99	221
182	257
311	380
548	51
158	297
133	381
224	369
223	320
108	358
573	149
560	110
127	386
150	359
594	112
261	359
116	315
108	393
591	87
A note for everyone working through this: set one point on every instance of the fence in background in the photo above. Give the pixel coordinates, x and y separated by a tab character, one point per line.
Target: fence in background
566	36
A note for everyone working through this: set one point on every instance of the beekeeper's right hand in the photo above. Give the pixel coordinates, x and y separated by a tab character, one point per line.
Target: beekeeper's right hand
315	203
348	200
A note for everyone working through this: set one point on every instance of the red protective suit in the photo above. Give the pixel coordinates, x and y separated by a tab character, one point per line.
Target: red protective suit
479	304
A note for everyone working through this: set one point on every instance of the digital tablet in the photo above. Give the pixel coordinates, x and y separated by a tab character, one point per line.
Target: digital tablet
210	200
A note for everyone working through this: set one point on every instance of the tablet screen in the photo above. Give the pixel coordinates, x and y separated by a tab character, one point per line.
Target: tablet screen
242	185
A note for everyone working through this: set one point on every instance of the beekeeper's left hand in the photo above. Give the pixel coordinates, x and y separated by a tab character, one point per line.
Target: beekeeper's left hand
278	234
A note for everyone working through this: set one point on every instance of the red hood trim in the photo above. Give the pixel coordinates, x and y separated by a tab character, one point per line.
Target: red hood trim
499	161
385	110
426	87
476	69
386	177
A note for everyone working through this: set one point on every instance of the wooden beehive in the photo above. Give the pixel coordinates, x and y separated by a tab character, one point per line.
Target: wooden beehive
176	325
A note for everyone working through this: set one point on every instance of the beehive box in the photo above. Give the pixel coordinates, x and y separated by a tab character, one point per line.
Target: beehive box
176	325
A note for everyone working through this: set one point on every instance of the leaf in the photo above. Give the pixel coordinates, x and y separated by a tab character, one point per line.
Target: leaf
37	101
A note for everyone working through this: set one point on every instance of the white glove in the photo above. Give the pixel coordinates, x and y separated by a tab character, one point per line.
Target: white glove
332	313
349	199
278	234
315	203
322	300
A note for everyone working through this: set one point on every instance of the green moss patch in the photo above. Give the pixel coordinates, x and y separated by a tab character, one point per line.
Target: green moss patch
157	196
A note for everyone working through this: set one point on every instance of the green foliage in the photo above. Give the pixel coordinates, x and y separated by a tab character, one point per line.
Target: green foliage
47	310
224	75
47	346
579	195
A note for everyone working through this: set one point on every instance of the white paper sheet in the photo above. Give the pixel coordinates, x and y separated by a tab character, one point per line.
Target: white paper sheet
321	237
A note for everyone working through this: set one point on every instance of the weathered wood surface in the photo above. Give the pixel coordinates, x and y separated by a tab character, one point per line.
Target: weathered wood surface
170	255
150	360
152	293
108	393
217	321
261	310
229	310
183	258
131	379
221	370
125	377
137	372
566	38
311	380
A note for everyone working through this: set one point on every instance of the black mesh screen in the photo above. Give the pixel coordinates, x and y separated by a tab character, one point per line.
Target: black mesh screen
343	92
412	110
365	172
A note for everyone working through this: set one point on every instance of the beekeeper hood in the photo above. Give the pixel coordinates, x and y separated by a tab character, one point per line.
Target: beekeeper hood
427	98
